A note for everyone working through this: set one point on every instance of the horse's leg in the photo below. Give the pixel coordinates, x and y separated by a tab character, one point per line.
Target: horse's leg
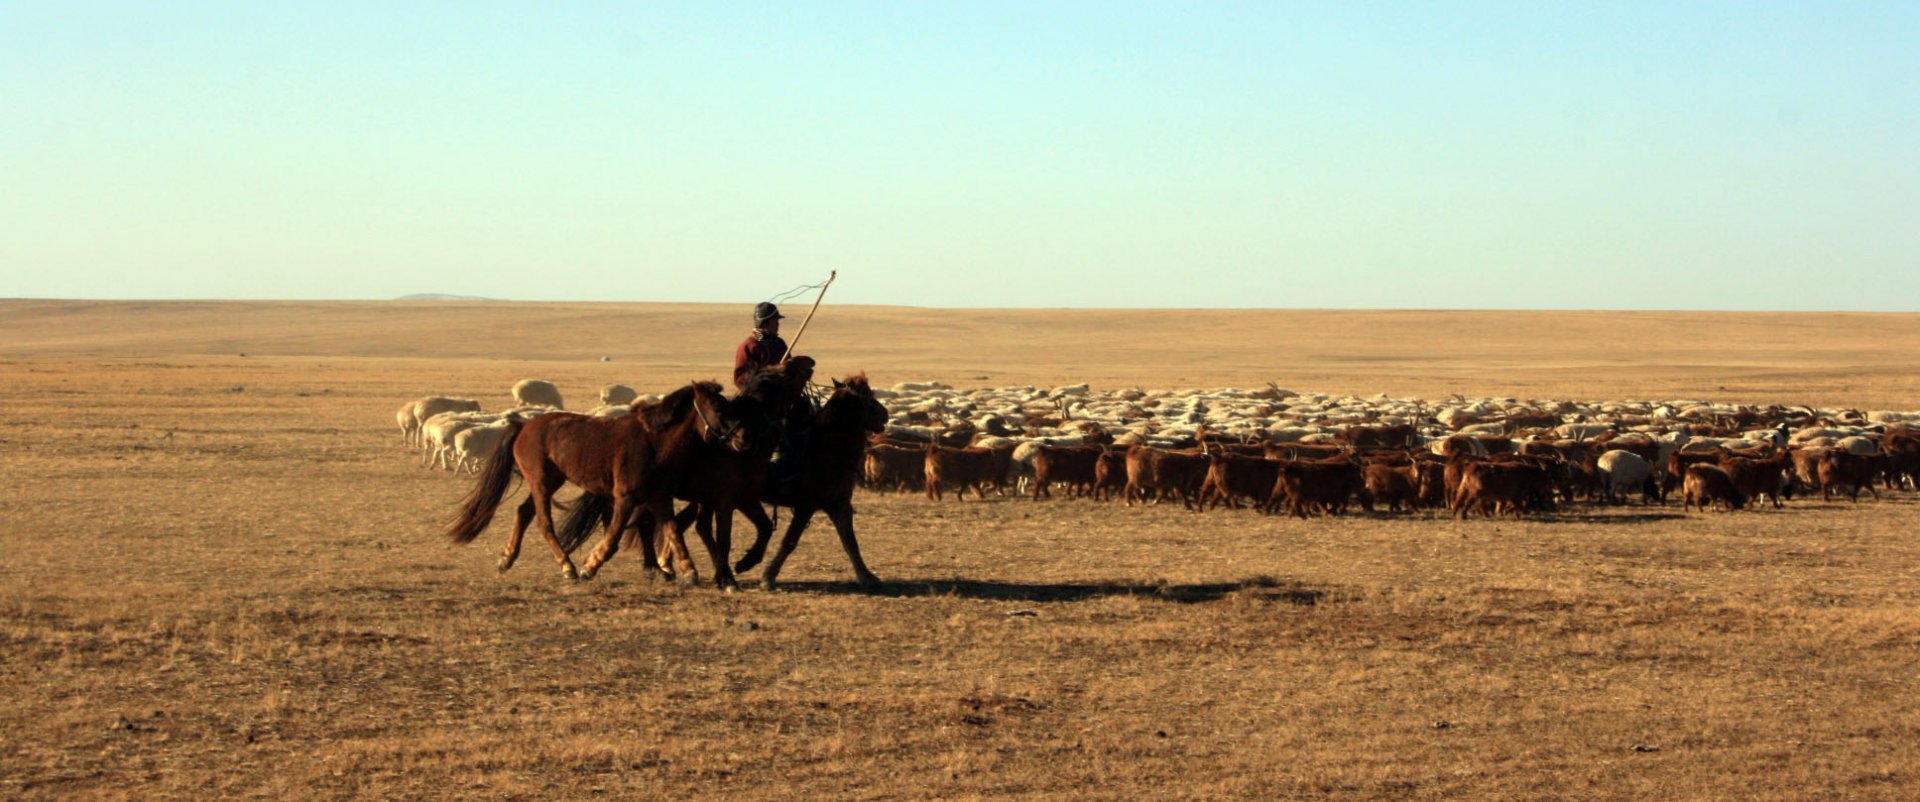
842	516
720	547
762	533
676	545
521	518
609	543
802	514
542	496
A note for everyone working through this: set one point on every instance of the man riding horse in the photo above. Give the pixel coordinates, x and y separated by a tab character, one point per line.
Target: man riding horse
764	348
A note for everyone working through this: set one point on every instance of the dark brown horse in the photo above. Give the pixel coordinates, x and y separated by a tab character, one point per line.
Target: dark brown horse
831	467
634	460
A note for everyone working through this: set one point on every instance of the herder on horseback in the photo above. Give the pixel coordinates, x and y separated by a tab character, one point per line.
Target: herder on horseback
763	348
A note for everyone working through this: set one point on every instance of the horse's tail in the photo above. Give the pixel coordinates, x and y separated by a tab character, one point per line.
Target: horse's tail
476	512
589	511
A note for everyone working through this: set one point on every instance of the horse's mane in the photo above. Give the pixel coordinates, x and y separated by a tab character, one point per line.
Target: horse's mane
766	383
673	409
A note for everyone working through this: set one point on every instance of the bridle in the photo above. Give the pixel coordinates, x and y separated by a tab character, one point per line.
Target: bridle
715	434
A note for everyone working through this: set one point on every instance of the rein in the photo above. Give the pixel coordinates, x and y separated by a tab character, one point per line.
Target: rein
710	436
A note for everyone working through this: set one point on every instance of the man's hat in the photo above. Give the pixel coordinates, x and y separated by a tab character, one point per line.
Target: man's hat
763	312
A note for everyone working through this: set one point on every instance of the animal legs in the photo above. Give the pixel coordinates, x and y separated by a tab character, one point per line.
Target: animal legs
842	516
542	498
762	533
771	574
521	518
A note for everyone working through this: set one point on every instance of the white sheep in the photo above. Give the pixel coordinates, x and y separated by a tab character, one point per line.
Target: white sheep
611	410
428	406
440	430
537	392
617	394
474	445
1622	472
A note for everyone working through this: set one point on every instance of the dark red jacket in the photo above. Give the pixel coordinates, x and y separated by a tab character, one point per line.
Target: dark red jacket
758	350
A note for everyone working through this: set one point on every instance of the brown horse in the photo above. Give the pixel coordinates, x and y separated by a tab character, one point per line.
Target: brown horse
635	460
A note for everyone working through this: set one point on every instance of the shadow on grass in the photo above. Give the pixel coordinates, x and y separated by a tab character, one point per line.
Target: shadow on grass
1266	588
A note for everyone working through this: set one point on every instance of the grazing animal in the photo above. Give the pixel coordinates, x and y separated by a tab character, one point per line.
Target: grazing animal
1324	487
634	459
1231	478
970	467
1073	467
617	394
1759	477
1622	472
1110	475
1394	485
428	406
1164	473
1710	484
1845	469
892	467
1508	487
537	393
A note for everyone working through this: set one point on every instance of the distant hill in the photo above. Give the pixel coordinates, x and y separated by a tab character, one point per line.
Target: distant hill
437	296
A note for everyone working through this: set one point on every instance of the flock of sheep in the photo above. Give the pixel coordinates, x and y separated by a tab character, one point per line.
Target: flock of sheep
457	436
1615	448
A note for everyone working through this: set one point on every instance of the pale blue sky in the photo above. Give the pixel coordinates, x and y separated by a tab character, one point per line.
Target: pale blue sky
1457	155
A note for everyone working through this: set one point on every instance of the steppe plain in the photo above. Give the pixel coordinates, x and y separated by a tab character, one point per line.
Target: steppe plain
222	575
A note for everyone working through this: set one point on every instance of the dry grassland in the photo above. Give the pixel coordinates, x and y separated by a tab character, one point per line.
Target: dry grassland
222	576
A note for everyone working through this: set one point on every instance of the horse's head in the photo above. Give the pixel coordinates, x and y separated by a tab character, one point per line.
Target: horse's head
855	396
706	413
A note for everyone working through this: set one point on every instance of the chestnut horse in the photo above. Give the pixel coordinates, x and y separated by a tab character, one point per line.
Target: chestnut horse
634	460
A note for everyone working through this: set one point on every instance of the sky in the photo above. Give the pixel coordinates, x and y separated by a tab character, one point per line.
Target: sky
1525	155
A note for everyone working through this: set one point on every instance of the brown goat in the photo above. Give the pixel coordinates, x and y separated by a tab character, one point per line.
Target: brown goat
967	468
1317	486
1072	466
1501	487
1394	485
1759	477
1164	473
1852	471
892	467
1109	475
1231	478
1710	484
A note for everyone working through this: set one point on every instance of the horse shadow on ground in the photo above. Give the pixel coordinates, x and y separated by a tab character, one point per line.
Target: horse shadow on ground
1262	587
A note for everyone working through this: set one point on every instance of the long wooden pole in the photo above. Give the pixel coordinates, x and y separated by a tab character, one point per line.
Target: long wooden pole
831	274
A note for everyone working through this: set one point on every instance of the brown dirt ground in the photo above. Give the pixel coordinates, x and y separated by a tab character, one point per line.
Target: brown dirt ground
223	575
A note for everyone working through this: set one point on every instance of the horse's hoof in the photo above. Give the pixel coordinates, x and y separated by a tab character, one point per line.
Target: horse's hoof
747	562
567	571
729	586
503	565
769	585
870	582
688	579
